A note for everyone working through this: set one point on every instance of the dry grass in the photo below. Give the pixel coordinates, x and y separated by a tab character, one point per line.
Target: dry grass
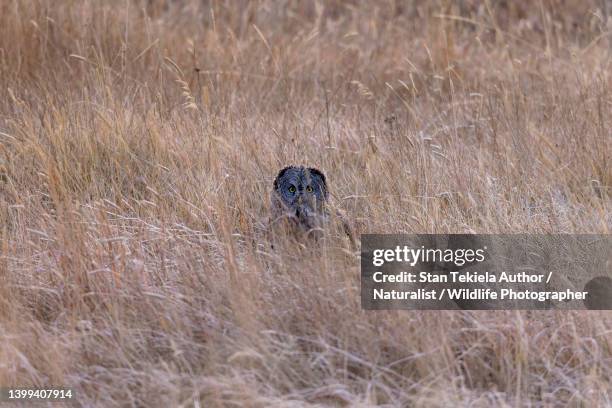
138	144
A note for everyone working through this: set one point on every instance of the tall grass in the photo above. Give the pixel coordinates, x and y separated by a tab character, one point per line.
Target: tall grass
138	144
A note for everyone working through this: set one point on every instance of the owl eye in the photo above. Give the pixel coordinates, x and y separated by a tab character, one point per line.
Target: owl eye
292	189
309	189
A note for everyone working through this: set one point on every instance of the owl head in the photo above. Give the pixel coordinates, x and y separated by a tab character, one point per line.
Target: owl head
301	193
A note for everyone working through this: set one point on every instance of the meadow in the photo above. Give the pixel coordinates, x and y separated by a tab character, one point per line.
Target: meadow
139	140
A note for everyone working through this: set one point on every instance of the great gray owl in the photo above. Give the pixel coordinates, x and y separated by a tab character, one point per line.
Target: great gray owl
300	200
300	194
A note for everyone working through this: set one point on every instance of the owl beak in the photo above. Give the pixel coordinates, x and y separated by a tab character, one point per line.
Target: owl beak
303	211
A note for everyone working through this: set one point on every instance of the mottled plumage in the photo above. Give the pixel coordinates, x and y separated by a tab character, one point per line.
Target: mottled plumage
300	199
300	195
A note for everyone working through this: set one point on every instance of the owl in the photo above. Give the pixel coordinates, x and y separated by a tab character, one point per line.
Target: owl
300	200
300	195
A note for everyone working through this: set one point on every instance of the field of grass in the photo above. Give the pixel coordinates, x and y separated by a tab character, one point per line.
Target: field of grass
138	145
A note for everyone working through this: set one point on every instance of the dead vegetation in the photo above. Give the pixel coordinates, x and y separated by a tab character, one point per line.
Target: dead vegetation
138	144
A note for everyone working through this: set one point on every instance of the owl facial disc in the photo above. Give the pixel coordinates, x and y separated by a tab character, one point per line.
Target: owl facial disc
302	192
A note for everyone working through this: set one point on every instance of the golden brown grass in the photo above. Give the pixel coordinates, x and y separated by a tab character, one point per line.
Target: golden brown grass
138	144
